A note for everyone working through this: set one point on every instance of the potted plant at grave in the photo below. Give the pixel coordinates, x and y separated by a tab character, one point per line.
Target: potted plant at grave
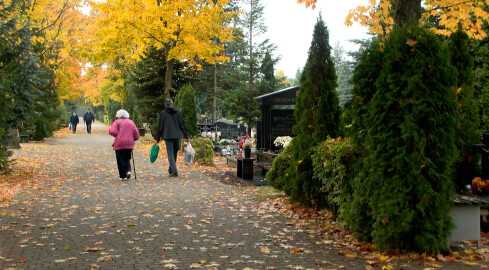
282	142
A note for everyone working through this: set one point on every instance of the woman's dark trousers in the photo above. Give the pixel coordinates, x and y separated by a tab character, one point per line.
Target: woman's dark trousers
123	157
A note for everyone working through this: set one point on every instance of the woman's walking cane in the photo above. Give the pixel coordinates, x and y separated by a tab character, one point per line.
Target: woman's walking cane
134	165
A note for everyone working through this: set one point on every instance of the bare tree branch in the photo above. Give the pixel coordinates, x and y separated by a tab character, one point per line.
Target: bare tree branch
63	9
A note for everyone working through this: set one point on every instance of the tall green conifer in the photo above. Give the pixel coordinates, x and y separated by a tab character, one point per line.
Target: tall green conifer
409	145
467	131
185	102
480	51
365	77
317	113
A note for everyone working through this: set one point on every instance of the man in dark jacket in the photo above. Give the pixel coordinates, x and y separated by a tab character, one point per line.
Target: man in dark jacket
74	121
170	126
89	119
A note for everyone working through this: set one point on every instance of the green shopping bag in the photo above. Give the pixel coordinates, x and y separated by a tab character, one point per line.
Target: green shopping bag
154	153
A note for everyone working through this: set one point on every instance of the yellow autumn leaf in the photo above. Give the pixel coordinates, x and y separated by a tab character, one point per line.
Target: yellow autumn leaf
459	90
265	250
411	42
387	267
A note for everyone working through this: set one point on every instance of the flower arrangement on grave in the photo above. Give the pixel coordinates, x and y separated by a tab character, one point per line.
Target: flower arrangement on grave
282	141
479	186
227	142
214	136
245	142
243	139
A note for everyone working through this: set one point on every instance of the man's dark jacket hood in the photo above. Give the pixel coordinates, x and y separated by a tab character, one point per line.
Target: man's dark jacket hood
171	110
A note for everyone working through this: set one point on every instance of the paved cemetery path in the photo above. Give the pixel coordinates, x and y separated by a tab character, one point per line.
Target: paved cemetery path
77	214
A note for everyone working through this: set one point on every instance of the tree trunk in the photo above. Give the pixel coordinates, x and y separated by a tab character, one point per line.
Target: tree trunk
406	11
168	78
214	102
251	47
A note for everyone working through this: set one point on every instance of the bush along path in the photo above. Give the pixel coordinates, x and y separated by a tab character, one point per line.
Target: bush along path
66	208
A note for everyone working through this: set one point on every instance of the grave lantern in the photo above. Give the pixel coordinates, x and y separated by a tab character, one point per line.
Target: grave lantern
484	150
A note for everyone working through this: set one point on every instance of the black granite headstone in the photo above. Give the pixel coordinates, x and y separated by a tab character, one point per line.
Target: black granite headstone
230	131
282	123
274	122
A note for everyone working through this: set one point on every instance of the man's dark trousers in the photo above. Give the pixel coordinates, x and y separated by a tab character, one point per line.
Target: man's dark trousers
172	146
89	126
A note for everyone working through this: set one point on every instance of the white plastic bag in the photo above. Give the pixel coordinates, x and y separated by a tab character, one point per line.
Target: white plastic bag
189	154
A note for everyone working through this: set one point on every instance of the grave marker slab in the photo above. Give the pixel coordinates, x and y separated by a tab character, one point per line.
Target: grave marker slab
230	131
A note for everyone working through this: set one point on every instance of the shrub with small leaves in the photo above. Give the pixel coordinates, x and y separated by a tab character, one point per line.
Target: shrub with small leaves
204	150
333	162
278	176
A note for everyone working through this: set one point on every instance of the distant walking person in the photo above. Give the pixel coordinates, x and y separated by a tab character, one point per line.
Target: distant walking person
169	129
125	132
89	119
74	121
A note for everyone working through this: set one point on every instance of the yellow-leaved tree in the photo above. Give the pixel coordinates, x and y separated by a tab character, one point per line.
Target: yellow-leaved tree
91	84
59	26
186	30
380	15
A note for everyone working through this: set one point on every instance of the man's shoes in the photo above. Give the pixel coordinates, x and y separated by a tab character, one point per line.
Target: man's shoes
124	179
173	174
128	175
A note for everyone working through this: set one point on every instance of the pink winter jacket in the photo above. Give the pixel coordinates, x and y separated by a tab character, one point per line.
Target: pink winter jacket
125	134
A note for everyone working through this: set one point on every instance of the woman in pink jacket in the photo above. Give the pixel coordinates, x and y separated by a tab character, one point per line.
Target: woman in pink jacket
125	132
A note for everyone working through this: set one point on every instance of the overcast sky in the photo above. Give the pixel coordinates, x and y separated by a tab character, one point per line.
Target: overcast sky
290	27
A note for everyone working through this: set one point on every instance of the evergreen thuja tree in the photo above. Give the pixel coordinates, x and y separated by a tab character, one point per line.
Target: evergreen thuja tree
467	131
185	102
358	216
317	114
480	51
410	146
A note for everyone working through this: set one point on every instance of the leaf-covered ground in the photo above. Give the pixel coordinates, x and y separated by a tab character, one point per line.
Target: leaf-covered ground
63	206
